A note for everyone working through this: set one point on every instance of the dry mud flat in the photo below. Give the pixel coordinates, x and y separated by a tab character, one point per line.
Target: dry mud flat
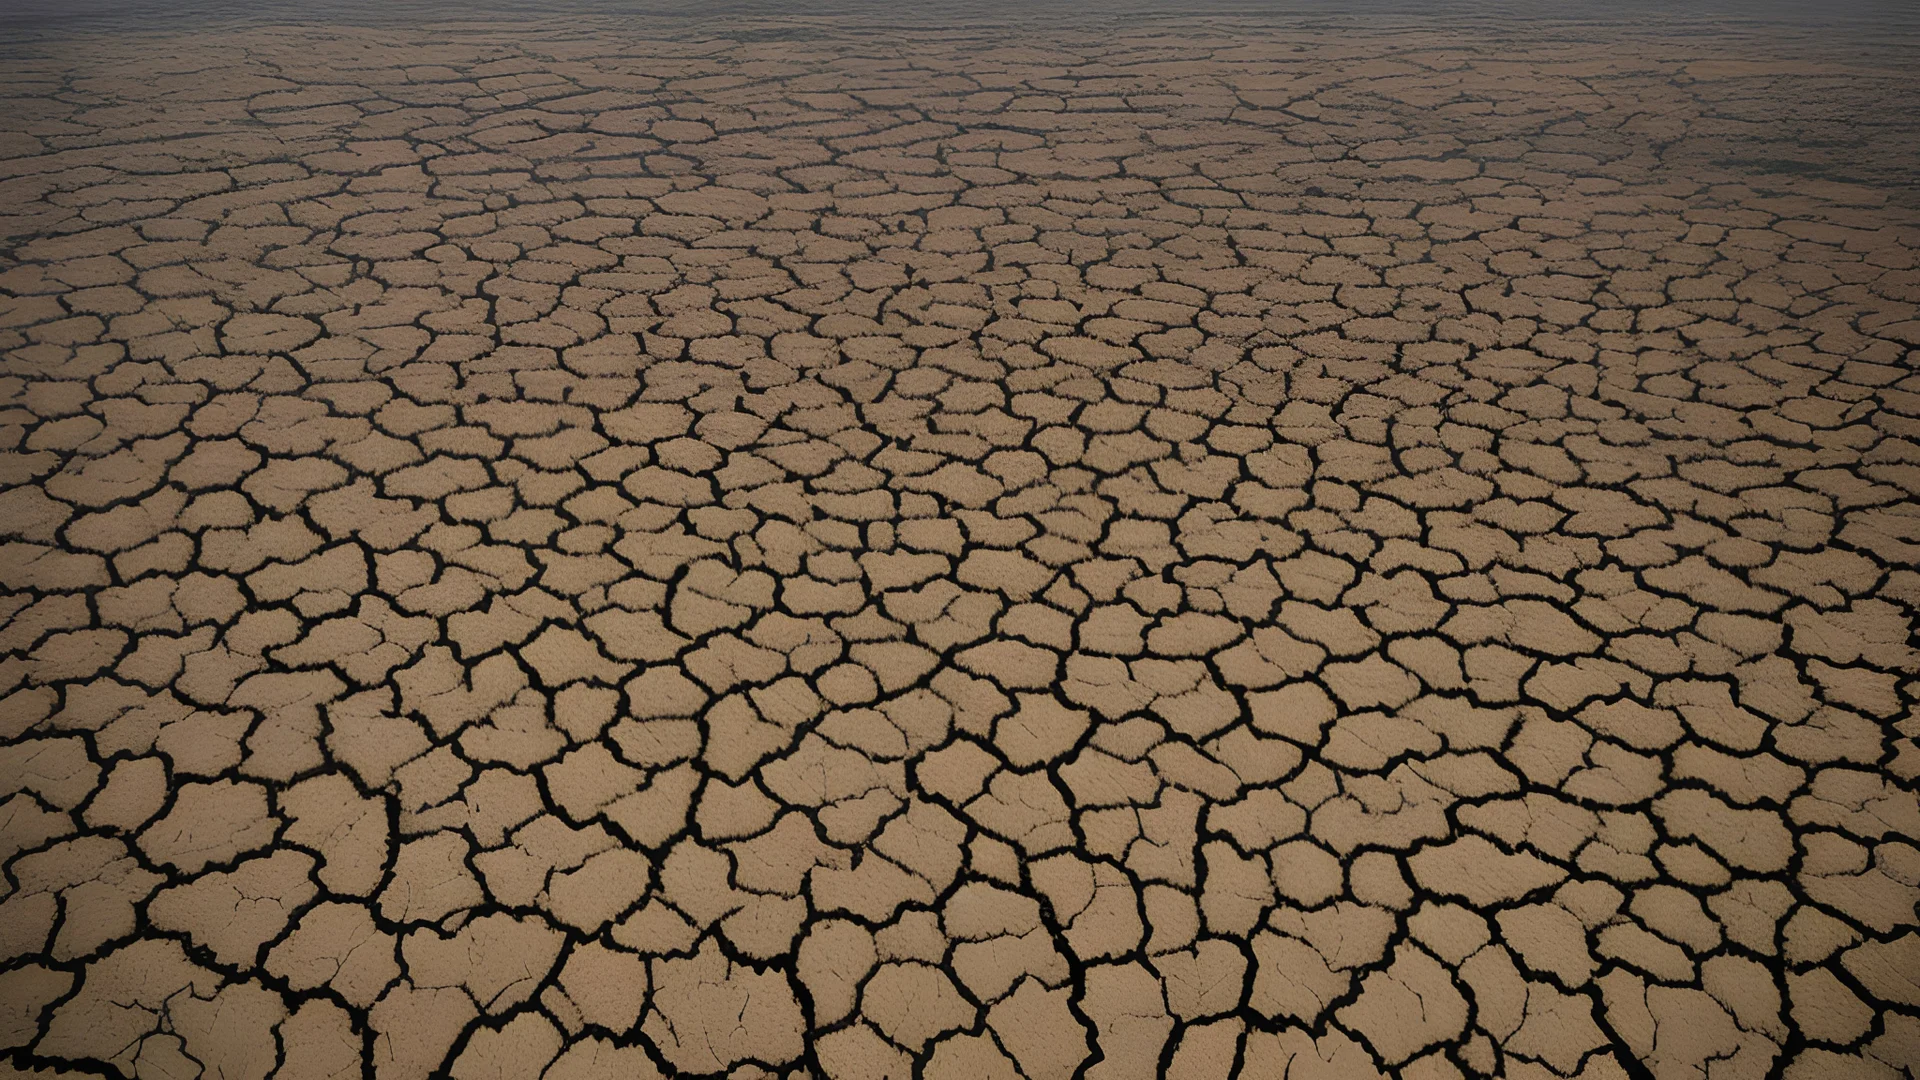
1186	550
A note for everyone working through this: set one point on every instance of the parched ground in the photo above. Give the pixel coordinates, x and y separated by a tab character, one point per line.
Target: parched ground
1190	548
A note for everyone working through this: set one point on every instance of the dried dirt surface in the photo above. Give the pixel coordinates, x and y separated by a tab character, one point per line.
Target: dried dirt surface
600	550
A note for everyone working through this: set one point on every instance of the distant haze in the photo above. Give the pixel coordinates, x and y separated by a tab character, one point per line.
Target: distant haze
1871	16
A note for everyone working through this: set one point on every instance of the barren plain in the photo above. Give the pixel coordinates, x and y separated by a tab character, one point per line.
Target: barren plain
605	549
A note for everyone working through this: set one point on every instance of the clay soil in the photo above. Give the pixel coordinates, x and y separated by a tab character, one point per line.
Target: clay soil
800	546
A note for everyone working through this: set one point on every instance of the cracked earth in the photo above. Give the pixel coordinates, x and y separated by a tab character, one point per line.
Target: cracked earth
1188	550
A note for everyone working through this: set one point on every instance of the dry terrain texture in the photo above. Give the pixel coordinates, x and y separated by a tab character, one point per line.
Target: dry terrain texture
1205	549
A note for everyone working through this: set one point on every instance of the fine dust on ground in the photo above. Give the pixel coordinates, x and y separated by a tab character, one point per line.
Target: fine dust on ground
793	547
